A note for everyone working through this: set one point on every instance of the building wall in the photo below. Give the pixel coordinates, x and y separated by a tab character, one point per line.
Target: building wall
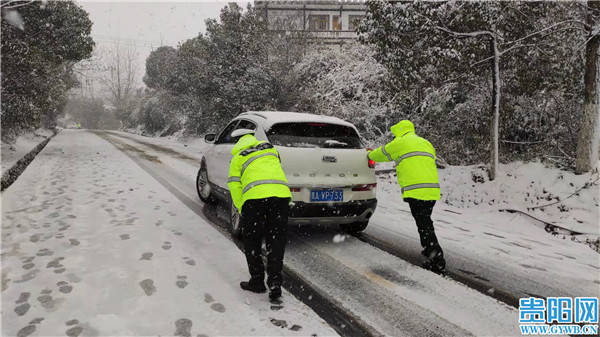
295	16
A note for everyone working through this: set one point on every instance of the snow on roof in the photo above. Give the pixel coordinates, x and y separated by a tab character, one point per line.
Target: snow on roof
274	117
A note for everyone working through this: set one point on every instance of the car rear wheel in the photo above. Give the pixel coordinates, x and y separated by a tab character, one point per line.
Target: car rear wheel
355	227
235	220
203	187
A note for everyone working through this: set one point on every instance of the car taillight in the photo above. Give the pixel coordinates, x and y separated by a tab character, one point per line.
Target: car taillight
294	189
365	187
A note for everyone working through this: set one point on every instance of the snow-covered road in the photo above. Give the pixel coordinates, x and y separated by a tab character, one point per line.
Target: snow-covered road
148	264
384	294
93	245
505	255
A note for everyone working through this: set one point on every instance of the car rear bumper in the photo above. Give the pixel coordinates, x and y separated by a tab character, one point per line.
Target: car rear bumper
331	213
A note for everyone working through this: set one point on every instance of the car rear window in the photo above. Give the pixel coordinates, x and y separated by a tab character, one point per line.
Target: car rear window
318	135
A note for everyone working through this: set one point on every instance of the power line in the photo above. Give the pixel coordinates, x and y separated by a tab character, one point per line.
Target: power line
129	41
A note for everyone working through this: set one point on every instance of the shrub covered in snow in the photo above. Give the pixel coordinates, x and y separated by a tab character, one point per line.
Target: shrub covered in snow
40	44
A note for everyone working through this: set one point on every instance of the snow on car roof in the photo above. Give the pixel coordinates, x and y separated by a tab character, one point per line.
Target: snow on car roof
274	117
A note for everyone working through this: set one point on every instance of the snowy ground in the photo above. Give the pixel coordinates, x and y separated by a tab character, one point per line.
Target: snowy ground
388	294
98	247
508	250
499	246
526	187
11	153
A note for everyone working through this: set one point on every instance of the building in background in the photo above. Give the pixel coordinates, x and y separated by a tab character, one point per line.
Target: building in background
329	22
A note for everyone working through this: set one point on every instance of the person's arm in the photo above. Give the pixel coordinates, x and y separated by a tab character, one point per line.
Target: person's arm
234	182
381	154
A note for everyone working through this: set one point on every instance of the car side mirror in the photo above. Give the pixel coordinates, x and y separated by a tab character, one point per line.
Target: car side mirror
210	137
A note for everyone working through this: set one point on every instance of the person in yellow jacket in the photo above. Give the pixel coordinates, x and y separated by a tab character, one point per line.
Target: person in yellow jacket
259	190
417	175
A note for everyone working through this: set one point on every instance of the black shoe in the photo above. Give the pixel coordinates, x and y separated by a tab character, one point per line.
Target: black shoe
432	252
436	265
274	293
254	287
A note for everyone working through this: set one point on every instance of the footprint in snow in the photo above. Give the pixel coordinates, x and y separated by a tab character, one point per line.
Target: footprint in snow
218	307
183	327
55	263
181	281
74	331
28	266
146	256
46	299
64	287
148	286
23	304
189	261
44	252
26	331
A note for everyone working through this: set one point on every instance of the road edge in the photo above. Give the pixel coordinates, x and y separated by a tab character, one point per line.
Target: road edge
13	173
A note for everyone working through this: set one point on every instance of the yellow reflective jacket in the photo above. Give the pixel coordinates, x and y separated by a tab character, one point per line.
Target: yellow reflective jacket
415	162
255	172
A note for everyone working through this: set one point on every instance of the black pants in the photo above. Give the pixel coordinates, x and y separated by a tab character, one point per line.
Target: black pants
421	210
265	219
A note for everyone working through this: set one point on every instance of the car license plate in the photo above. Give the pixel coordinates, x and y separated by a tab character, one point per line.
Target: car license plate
327	195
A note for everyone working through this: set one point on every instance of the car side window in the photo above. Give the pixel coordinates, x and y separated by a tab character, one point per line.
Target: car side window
244	124
225	136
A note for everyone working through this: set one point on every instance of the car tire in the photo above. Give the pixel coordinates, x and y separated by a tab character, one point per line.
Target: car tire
355	227
203	185
235	221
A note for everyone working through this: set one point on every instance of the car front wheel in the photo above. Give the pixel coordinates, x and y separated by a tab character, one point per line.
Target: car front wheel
202	185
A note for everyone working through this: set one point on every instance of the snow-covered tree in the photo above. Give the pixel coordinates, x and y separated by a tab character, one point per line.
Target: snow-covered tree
40	45
347	83
159	66
237	65
461	41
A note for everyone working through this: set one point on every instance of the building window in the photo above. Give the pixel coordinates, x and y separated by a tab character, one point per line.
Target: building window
318	22
354	21
337	22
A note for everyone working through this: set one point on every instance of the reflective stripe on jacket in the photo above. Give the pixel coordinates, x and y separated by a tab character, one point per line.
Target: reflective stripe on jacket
415	162
255	172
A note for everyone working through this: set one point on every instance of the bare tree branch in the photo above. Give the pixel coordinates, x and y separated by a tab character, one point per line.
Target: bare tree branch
7	5
543	30
470	34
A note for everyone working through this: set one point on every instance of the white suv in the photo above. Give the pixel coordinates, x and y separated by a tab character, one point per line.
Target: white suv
327	168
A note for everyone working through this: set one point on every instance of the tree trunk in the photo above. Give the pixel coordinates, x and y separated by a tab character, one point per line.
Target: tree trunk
588	143
495	109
